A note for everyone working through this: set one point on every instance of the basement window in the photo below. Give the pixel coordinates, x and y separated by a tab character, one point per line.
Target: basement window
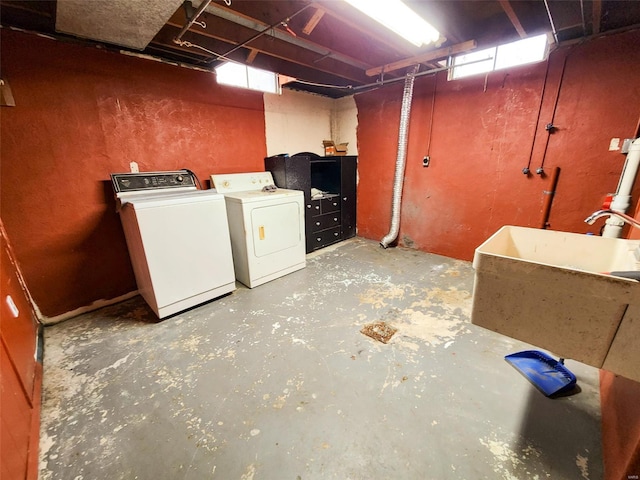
529	50
243	76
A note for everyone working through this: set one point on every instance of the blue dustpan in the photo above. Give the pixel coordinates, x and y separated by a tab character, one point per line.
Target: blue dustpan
549	375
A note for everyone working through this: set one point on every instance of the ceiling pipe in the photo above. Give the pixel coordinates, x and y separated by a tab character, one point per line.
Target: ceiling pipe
191	21
262	32
553	27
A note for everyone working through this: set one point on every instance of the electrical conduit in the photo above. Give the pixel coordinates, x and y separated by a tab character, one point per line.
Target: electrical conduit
403	137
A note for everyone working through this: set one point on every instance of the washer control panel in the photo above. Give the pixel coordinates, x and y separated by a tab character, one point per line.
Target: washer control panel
134	182
241	182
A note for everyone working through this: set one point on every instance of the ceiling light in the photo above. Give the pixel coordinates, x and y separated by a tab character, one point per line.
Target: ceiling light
399	18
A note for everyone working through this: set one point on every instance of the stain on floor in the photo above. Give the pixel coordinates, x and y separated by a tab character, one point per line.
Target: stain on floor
380	331
277	382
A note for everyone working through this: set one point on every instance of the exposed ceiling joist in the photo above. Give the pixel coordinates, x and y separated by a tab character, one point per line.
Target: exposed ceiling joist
238	19
508	9
253	53
313	21
225	41
425	57
331	47
597	15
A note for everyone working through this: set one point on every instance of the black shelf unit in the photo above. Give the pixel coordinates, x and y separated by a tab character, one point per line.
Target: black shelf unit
331	218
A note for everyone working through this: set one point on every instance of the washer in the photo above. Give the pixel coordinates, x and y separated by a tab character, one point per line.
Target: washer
178	239
267	227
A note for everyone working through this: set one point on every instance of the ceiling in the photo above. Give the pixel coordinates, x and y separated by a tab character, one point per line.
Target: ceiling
327	46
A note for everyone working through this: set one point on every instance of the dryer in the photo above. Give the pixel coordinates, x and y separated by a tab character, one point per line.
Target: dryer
178	239
266	225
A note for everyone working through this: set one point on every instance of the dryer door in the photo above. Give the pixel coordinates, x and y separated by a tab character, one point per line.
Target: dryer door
276	228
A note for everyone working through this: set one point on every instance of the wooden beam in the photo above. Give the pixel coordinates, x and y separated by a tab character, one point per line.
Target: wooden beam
508	9
228	35
597	15
313	21
425	57
253	53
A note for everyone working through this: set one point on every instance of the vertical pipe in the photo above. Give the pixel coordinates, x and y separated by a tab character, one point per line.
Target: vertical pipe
622	200
403	136
548	200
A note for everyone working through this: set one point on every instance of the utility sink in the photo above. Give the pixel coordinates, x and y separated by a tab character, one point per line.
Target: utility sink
551	289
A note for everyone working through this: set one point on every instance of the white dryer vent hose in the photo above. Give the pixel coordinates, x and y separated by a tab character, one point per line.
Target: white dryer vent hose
403	137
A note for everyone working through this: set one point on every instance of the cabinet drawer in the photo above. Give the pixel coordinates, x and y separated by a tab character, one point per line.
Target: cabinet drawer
314	207
326	237
330	204
322	222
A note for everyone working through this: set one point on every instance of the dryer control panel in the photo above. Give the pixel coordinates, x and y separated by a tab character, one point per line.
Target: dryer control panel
146	181
242	182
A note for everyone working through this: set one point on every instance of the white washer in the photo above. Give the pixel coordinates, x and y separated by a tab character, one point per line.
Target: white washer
267	227
178	239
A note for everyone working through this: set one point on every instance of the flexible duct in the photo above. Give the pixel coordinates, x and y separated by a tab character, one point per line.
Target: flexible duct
403	137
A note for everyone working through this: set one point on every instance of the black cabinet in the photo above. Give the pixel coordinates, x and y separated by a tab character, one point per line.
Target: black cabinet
330	216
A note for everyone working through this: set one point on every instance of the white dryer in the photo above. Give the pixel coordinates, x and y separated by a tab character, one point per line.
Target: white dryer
266	226
178	239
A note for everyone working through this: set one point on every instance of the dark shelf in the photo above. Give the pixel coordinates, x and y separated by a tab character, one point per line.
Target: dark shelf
331	218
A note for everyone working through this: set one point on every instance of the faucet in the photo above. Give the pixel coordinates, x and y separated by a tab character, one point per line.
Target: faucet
601	213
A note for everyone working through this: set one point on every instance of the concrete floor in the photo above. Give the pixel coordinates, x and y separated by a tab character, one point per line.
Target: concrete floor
278	383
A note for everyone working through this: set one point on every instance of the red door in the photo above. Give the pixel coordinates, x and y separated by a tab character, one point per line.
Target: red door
20	373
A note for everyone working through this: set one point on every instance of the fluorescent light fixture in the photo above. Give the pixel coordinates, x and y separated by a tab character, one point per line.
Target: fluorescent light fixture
528	50
400	19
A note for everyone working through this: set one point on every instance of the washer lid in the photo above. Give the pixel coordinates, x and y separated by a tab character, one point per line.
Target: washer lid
171	198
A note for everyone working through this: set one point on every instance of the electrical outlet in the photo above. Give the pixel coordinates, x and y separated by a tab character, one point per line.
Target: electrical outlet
134	167
425	161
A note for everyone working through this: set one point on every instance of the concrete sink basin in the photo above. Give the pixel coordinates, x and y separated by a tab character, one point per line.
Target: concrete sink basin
550	289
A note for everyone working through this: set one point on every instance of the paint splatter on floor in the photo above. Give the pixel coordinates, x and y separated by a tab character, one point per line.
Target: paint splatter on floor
272	382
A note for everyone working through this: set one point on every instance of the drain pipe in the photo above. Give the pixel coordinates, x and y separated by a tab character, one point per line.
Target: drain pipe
622	199
403	136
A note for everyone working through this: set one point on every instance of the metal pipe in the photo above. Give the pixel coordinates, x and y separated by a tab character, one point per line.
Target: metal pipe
622	199
553	27
550	127
548	200
584	23
262	32
191	21
403	137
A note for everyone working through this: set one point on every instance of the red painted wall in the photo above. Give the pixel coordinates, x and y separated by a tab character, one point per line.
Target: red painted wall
620	426
619	398
481	133
82	113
